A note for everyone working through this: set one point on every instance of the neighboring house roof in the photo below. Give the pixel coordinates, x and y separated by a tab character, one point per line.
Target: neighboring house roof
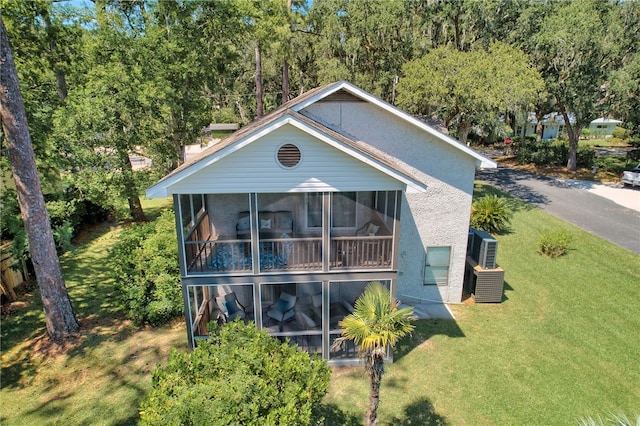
603	120
288	114
221	127
557	118
551	118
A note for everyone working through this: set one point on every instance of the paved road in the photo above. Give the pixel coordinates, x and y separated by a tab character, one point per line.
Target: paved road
579	203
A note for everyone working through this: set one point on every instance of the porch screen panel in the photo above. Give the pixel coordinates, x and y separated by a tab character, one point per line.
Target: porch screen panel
362	231
343	210
221	243
294	311
219	303
285	244
314	210
342	301
185	210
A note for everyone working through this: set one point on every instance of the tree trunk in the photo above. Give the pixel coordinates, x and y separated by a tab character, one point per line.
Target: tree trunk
463	130
285	81
59	316
131	189
375	374
574	133
259	94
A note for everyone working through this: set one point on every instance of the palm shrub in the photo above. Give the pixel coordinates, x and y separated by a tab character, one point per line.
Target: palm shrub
554	243
375	324
613	420
240	376
490	213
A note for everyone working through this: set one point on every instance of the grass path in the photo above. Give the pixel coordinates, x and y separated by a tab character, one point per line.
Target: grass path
100	377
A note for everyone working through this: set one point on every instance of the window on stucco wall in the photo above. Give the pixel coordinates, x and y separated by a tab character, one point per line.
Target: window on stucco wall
436	268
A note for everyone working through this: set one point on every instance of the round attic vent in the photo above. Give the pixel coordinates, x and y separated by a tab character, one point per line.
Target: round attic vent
289	155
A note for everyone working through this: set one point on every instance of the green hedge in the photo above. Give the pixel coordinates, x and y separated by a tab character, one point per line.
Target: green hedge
240	376
144	265
546	153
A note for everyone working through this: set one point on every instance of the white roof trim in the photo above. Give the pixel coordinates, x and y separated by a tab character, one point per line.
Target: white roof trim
481	160
603	120
160	189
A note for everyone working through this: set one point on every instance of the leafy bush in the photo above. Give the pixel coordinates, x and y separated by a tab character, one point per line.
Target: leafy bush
62	237
490	213
144	264
554	243
614	164
239	376
586	157
621	133
545	153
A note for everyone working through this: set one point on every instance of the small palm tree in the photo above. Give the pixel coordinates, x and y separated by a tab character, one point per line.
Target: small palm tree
375	324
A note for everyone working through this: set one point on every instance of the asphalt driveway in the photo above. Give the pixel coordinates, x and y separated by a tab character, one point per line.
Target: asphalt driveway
591	207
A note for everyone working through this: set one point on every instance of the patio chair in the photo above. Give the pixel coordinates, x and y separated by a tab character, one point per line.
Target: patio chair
230	307
283	310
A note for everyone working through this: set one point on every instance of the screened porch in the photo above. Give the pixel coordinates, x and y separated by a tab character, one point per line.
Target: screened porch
263	233
304	313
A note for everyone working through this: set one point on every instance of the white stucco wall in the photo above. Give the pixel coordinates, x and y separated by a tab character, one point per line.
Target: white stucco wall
439	217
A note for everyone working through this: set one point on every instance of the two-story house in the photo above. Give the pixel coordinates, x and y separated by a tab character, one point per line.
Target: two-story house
285	221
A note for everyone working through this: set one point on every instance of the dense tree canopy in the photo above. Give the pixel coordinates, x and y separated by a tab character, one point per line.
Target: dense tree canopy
469	88
115	79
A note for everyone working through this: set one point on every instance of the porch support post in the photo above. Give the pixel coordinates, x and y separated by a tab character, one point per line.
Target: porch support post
257	305
183	267
325	320
326	231
396	230
253	214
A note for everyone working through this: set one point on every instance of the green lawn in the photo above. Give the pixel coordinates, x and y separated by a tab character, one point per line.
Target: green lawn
101	378
563	345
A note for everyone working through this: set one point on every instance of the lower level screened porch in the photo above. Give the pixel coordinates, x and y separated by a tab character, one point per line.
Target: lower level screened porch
306	314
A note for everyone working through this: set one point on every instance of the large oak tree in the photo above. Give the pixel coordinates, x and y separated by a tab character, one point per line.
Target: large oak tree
467	88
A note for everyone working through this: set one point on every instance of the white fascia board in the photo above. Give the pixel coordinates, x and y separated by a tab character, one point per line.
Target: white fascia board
161	189
481	160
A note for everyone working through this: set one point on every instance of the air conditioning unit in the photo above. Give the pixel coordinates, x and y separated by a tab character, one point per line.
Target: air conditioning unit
484	248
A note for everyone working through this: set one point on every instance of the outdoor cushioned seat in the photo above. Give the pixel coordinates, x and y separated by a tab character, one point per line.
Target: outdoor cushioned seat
230	307
282	310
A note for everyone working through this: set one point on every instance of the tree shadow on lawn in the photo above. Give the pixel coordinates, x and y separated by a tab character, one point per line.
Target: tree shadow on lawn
425	329
25	344
333	415
420	412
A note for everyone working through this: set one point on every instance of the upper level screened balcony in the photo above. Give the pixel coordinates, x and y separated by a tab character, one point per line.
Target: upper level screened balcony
273	233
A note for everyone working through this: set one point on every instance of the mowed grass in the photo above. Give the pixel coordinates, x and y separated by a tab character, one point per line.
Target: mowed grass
100	377
562	345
